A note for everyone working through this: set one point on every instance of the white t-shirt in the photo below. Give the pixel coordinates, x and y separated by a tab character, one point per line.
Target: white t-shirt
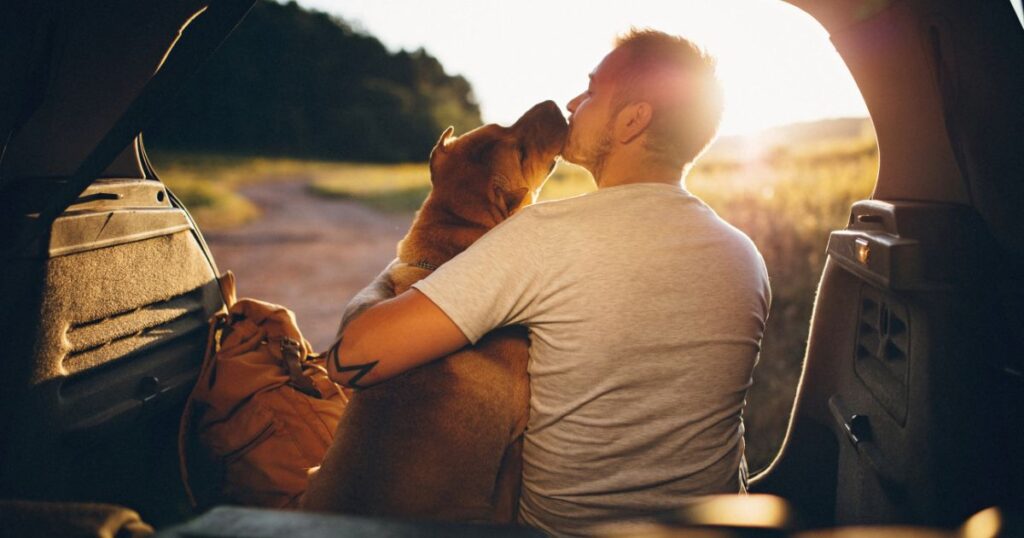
645	312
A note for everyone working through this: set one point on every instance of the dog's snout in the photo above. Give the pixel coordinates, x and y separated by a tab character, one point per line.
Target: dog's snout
542	112
549	110
543	124
549	106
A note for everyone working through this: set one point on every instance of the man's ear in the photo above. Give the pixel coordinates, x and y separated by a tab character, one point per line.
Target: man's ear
442	146
632	121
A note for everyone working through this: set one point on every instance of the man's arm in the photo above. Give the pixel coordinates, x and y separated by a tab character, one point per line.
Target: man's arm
491	284
391	337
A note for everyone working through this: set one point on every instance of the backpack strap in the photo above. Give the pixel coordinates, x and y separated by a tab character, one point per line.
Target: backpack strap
227	288
293	354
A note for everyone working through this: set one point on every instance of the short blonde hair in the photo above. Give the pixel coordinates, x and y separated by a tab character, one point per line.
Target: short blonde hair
678	79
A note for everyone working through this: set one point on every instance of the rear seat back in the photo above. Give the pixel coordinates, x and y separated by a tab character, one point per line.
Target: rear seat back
107	325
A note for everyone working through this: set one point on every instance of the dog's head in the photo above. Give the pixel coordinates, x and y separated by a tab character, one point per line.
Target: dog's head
495	170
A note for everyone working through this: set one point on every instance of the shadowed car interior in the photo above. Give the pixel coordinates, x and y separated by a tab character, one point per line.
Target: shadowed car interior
107	282
909	408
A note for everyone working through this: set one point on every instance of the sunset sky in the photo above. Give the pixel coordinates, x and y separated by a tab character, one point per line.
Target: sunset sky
776	62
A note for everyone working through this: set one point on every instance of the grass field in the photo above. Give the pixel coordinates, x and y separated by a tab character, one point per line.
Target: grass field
786	198
787	205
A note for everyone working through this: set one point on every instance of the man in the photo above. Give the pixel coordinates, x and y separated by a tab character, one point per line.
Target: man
645	309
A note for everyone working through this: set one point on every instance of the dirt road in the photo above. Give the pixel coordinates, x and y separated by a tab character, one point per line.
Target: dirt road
307	253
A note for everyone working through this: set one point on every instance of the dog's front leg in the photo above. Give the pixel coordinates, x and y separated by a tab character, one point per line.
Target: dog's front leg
379	290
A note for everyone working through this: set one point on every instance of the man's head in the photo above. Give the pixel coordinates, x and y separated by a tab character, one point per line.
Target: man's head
653	90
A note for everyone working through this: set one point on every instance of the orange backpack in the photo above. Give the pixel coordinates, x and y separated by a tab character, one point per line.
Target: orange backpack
263	411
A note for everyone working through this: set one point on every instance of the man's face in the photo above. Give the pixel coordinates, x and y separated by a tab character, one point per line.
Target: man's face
590	118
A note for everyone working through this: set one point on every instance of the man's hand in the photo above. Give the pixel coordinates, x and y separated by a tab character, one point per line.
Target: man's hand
391	337
379	290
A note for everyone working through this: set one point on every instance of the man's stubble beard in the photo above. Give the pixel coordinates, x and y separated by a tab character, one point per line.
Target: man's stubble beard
594	159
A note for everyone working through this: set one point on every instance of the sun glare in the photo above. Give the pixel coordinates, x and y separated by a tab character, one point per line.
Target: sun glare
776	63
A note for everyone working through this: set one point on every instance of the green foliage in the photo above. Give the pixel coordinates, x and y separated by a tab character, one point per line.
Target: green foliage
292	82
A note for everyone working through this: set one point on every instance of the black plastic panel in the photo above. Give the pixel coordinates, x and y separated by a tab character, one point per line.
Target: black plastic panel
882	353
911	245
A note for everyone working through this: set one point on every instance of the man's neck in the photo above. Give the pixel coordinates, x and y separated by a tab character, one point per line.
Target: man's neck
628	167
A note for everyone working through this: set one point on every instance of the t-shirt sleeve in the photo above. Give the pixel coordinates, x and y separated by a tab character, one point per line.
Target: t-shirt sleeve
495	282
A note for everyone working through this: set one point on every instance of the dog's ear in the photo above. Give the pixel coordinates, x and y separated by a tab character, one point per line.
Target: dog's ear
445	141
509	200
442	146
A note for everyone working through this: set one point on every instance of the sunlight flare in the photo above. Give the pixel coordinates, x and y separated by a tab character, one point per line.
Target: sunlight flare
776	62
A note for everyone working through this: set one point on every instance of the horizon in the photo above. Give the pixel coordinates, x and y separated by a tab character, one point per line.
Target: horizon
776	63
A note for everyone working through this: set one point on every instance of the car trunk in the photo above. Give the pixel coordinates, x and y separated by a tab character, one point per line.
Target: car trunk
910	400
107	282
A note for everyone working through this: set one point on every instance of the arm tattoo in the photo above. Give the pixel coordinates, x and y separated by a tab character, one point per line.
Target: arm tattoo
361	369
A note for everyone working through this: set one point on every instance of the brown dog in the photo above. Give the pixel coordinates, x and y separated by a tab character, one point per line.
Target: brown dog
444	441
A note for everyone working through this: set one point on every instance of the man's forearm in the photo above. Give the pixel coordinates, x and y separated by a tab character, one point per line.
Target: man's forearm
392	337
349	375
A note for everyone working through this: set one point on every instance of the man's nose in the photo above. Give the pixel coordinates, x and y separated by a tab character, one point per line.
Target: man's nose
571	107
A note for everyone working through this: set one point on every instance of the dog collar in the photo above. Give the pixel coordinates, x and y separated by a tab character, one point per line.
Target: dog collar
424	264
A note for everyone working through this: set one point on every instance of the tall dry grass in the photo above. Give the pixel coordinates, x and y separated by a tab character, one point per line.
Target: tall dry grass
787	204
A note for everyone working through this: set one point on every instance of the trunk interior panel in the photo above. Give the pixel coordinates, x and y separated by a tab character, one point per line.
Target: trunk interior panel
115	333
906	356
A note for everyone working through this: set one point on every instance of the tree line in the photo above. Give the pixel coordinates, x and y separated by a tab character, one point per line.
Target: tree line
300	83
